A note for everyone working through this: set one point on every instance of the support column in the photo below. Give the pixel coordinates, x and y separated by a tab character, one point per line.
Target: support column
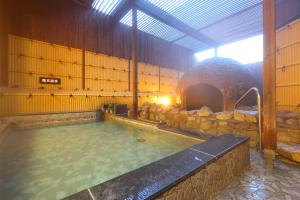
4	28
83	72
134	68
83	68
269	75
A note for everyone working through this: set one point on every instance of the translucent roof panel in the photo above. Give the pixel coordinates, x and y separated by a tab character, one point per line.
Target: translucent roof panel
224	21
199	13
241	26
191	43
152	26
106	7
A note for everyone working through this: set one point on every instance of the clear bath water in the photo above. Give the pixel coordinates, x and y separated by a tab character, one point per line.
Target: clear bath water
52	163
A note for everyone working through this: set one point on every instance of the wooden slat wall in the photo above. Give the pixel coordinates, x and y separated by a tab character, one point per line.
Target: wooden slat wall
169	79
66	23
31	59
106	73
106	79
288	67
148	78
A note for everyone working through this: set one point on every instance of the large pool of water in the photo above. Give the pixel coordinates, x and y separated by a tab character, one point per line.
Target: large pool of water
52	163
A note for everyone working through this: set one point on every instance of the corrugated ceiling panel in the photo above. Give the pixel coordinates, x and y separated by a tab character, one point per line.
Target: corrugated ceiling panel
239	19
106	6
152	26
191	43
241	26
199	13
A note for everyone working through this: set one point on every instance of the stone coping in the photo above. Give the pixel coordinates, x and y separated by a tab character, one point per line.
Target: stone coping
201	136
159	126
52	119
150	181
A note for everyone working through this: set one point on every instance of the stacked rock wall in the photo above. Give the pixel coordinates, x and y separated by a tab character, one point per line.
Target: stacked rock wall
239	122
204	120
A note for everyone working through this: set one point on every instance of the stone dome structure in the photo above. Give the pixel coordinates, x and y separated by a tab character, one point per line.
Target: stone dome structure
217	83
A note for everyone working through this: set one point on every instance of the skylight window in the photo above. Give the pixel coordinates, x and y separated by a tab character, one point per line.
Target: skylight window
152	26
203	55
245	51
168	5
106	6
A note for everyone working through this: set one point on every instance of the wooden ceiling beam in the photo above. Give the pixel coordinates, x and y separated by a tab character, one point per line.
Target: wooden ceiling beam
122	10
170	20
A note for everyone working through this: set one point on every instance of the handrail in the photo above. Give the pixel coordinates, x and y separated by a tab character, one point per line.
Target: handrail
258	98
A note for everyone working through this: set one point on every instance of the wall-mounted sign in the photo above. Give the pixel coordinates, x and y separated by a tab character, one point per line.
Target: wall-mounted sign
50	80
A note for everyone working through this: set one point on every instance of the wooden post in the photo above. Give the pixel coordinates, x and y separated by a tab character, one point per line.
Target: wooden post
269	75
4	29
4	60
134	71
83	68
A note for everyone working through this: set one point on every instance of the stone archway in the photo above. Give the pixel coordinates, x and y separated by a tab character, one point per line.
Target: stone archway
199	95
212	82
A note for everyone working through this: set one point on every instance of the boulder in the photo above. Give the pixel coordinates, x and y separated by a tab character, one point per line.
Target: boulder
174	111
227	115
183	112
245	116
191	118
192	112
286	135
280	120
292	121
292	115
289	151
205	112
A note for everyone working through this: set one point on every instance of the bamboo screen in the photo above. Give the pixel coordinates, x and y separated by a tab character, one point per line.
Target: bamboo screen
106	73
31	59
148	78
288	67
106	79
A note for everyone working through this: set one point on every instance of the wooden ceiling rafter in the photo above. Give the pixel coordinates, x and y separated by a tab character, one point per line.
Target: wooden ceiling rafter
156	13
162	16
172	21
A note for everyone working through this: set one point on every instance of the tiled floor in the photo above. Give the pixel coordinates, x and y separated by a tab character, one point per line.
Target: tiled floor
281	183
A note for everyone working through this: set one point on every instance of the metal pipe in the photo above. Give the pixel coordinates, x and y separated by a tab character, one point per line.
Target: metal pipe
258	98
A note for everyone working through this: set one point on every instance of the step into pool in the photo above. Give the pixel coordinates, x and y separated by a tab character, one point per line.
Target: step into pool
55	162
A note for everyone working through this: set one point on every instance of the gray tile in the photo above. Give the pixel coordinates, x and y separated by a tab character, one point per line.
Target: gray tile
153	179
84	195
281	183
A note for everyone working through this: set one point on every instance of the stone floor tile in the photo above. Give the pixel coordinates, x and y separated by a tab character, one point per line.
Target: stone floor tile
259	183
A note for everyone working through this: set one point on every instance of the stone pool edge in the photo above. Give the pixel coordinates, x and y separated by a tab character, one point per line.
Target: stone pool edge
201	172
159	127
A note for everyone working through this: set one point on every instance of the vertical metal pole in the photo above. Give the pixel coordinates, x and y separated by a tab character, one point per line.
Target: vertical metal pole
269	78
134	71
